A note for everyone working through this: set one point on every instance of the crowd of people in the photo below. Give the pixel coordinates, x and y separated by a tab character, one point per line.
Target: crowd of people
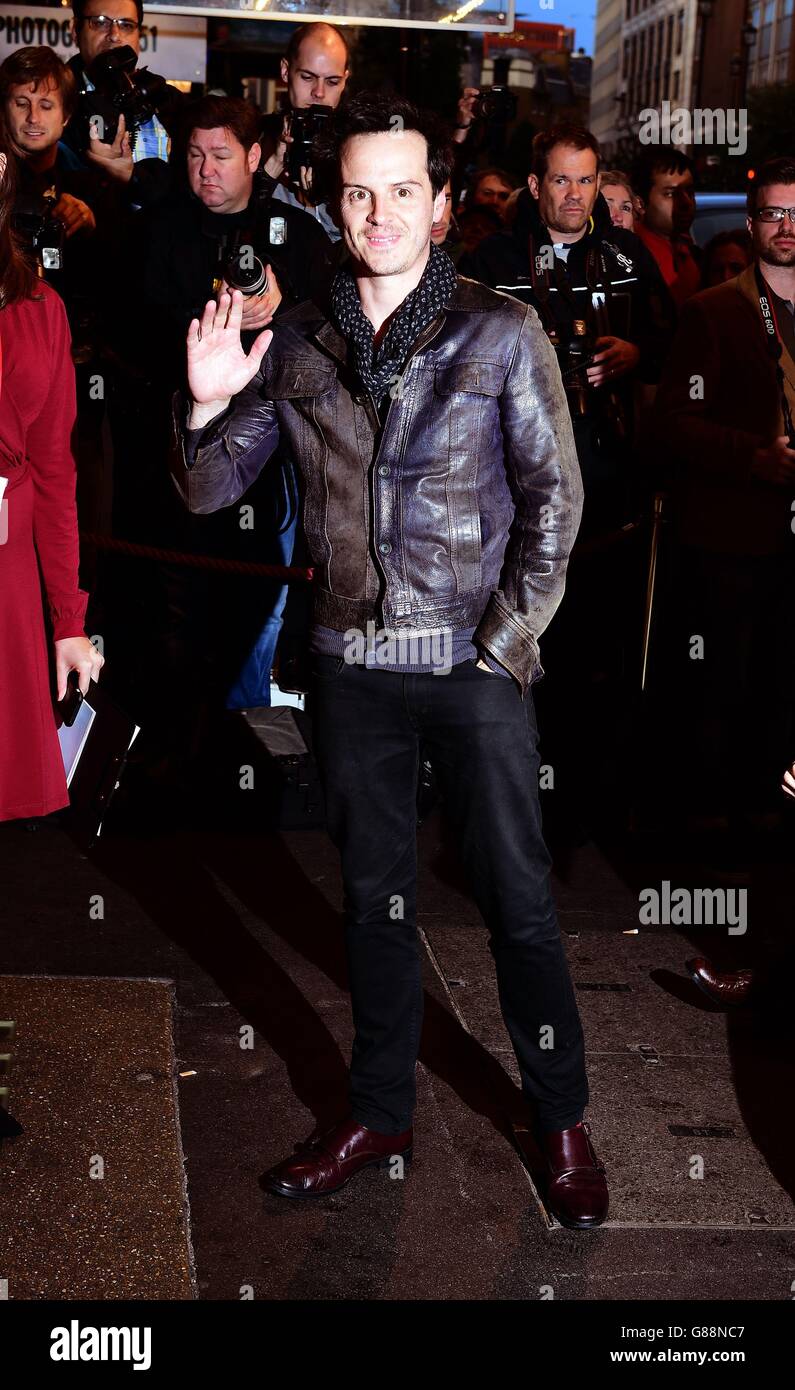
471	396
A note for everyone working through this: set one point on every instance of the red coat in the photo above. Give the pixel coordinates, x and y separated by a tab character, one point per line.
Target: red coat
37	414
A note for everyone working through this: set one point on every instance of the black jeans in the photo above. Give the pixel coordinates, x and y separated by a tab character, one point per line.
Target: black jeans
481	738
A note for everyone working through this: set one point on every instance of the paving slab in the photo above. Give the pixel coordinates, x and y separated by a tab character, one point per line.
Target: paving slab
94	1196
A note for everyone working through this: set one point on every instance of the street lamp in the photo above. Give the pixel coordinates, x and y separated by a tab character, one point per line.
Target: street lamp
736	72
748	36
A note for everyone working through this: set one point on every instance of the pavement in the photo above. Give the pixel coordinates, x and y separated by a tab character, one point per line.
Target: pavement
689	1105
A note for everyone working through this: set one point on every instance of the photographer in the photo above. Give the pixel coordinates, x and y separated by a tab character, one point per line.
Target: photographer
56	198
228	231
724	427
315	67
600	298
605	308
132	149
195	237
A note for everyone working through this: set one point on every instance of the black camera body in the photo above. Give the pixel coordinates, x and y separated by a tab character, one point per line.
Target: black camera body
306	123
575	353
496	105
42	234
120	89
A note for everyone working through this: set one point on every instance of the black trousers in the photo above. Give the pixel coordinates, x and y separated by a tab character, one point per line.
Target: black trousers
481	738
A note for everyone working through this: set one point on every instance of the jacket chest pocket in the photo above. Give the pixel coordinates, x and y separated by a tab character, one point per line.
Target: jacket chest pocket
298	381
307	390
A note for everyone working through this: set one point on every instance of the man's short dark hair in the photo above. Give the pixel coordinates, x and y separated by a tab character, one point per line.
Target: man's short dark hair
37	66
304	31
780	170
661	160
374	113
78	6
227	113
565	133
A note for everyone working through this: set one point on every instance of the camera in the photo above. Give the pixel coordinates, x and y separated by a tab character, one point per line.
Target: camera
497	105
575	355
244	271
42	234
305	125
119	90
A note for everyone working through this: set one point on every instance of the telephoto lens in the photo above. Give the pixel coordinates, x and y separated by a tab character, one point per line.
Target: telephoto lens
246	272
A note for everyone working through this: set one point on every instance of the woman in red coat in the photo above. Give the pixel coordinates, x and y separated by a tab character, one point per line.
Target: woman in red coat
38	529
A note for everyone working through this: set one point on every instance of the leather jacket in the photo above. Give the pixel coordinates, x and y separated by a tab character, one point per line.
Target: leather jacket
458	508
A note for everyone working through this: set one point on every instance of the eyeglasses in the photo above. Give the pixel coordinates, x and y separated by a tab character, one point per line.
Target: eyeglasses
100	23
775	214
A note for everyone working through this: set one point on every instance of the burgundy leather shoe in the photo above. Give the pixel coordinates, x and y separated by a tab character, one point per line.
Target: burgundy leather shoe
577	1192
326	1163
725	989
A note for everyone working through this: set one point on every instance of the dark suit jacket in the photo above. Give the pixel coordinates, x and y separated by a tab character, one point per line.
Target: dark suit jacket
717	402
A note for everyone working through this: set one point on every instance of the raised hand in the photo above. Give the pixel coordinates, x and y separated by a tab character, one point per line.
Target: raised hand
217	365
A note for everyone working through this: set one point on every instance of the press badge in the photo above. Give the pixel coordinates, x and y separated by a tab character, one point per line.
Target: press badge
278	231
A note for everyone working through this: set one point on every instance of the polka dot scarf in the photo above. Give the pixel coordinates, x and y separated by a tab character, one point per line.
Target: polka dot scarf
379	369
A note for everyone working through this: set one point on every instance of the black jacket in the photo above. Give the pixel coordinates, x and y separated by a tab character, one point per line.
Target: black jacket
639	307
461	511
185	247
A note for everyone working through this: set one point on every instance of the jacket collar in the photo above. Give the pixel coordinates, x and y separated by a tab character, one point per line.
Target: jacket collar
468	297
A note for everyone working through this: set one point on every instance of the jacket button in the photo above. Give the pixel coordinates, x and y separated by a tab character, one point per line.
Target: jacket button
384	548
384	470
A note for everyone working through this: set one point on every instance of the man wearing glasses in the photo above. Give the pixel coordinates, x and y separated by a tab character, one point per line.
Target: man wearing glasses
724	413
99	26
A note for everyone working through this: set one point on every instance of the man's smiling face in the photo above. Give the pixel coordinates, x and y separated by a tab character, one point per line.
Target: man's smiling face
387	203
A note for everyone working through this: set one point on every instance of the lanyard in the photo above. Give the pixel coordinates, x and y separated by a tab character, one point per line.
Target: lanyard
774	348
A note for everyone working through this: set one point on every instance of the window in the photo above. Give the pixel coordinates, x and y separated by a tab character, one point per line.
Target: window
680	29
763	46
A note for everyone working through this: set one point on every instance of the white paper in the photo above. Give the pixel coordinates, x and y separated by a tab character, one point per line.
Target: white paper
72	738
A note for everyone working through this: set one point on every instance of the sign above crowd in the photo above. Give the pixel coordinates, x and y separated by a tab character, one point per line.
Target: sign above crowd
493	15
175	46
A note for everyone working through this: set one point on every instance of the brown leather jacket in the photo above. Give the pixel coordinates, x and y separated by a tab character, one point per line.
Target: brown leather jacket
460	511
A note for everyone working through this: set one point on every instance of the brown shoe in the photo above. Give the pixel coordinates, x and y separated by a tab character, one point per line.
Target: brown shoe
326	1163
577	1192
729	991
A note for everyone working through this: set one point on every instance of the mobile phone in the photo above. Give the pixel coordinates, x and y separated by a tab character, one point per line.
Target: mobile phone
69	706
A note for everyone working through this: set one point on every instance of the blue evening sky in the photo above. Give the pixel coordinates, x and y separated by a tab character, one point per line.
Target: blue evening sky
577	14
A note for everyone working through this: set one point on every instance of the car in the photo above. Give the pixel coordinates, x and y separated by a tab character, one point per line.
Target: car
717	212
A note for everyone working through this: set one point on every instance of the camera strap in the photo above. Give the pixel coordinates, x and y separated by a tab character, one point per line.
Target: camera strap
540	280
597	280
774	344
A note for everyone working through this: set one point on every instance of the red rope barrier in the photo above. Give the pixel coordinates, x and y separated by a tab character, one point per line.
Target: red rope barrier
205	562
